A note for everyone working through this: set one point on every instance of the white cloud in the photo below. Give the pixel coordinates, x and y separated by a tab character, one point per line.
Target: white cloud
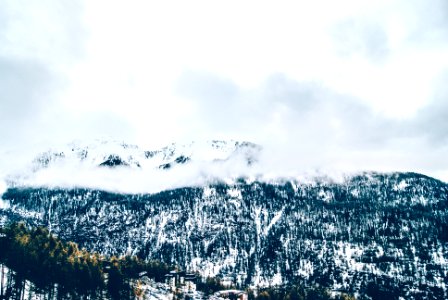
346	83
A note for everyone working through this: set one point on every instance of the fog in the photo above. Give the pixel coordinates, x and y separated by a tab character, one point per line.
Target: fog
324	87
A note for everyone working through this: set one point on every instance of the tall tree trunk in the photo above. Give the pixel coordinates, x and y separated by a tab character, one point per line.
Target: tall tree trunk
22	294
1	282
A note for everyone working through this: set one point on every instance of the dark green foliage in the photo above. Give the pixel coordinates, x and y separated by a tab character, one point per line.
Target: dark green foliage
38	256
209	285
45	260
117	285
297	293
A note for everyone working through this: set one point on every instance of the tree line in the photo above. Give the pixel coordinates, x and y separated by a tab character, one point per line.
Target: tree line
40	257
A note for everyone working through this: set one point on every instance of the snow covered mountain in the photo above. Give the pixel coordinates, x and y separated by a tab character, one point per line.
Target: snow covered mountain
376	234
120	167
113	154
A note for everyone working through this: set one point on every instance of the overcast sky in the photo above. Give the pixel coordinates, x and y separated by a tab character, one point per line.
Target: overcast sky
344	85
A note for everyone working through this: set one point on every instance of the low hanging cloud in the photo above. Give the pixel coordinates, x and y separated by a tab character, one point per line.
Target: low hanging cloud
307	126
358	85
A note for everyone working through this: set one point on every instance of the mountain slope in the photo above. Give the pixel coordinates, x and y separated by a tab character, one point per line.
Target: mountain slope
380	234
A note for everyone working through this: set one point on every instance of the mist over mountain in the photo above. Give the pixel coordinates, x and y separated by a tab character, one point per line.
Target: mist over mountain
116	166
120	167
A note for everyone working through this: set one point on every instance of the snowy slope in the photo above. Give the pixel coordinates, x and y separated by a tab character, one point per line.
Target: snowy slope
120	167
371	232
101	151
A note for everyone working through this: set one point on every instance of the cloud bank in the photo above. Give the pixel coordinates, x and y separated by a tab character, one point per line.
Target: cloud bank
345	86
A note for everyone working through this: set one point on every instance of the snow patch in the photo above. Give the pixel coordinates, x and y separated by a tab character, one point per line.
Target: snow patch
274	220
3	187
355	193
305	268
209	192
4	204
326	196
234	193
401	186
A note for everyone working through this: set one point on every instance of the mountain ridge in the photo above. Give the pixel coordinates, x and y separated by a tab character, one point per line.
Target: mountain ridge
120	167
374	230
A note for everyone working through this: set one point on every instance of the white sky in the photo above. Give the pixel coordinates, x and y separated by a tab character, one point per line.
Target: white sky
344	84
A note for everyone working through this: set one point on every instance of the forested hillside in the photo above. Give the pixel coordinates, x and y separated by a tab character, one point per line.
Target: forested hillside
375	234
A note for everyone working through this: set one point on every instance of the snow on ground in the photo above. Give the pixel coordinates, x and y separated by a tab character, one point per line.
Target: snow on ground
401	186
274	220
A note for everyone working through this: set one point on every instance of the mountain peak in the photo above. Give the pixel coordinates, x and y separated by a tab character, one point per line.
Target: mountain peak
112	153
116	165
